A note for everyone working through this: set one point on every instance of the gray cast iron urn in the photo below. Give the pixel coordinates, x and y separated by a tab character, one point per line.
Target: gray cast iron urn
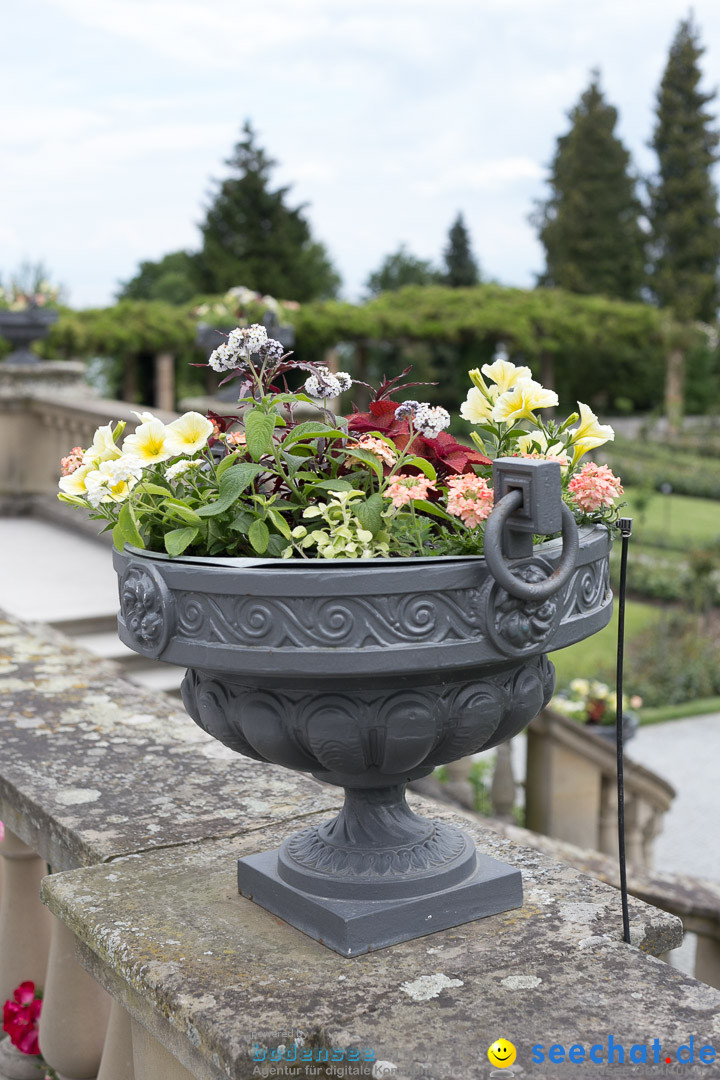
369	674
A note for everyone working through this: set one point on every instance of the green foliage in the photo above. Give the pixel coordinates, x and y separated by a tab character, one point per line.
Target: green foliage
674	661
401	269
174	279
590	224
252	237
654	465
461	268
685	245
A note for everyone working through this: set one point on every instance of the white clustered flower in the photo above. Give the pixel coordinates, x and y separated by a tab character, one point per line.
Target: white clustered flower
323	385
241	344
344	379
429	420
112	479
182	467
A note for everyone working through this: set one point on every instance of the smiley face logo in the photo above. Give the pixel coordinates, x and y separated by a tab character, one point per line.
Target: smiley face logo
501	1054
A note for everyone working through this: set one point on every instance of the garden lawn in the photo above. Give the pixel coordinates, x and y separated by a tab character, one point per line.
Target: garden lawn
678	521
595	657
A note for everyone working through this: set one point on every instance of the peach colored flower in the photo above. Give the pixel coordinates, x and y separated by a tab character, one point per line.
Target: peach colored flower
594	486
235	438
403	489
72	462
376	446
469	498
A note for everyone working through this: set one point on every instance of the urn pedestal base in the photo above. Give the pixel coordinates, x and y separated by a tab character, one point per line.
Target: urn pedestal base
376	875
351	927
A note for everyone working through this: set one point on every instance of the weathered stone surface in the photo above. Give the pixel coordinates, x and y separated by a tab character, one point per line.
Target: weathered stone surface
92	767
210	972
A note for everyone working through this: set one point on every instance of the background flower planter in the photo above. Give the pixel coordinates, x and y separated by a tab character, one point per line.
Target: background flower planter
368	676
21	328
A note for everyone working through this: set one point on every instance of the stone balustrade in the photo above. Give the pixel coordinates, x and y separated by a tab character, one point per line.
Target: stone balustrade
571	790
154	968
31	465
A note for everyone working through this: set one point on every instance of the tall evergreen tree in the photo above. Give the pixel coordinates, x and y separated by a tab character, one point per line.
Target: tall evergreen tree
590	226
461	267
252	237
685	237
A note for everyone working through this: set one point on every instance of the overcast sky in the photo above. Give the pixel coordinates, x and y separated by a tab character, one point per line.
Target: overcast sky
387	116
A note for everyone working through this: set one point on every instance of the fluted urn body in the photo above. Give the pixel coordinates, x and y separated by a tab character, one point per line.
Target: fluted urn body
367	675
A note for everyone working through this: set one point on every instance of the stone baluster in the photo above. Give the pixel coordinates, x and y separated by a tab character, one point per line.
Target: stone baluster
457	784
502	791
607	826
75	1012
635	814
117	1057
24	938
707	956
152	1060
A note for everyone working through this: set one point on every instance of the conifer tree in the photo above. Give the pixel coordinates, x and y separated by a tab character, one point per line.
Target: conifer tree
685	232
590	225
461	267
252	237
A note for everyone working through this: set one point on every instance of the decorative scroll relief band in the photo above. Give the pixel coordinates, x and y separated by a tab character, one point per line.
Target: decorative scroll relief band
147	608
310	850
344	622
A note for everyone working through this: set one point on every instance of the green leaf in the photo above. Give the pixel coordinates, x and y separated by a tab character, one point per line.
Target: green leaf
232	485
227	463
177	540
259	536
259	427
126	530
178	509
423	465
146	488
276	546
369	459
280	523
335	484
369	513
311	429
433	509
242	522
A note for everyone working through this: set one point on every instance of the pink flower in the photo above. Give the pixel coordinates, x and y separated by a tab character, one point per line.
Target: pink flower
21	1017
72	462
594	486
2	831
403	489
376	446
235	438
469	498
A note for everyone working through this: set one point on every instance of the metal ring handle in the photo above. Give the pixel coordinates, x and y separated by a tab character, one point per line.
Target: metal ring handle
526	590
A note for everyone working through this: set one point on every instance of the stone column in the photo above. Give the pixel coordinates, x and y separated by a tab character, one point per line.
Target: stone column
24	939
24	920
503	784
165	382
117	1058
153	1061
75	1012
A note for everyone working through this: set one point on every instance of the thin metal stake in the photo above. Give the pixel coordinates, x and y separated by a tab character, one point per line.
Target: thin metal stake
625	532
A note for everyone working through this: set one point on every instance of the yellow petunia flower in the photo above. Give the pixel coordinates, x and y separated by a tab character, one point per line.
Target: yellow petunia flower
519	403
104	447
505	374
589	434
476	408
188	434
148	444
74	484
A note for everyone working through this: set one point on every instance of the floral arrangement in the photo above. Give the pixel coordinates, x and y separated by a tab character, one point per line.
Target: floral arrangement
390	481
233	306
35	292
591	702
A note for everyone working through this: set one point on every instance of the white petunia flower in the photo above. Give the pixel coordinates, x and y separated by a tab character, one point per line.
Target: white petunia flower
180	468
